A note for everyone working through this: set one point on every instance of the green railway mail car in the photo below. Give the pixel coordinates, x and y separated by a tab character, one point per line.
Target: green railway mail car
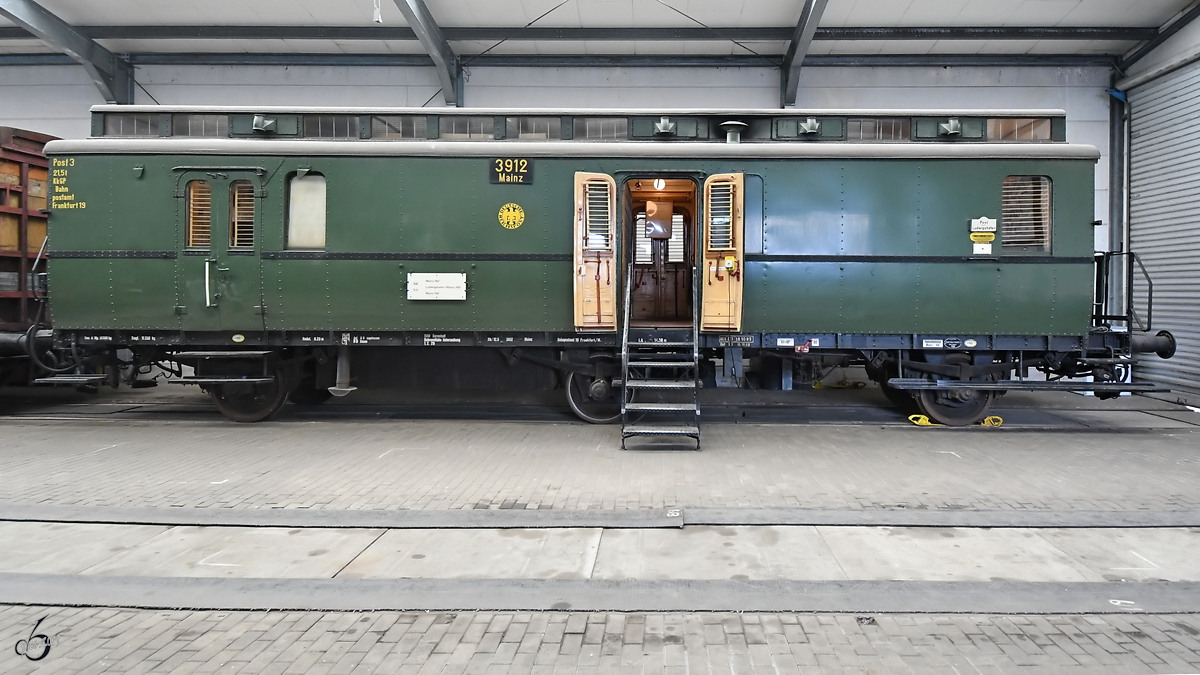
632	256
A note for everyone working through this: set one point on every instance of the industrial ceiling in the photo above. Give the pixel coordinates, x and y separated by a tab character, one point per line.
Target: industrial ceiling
111	38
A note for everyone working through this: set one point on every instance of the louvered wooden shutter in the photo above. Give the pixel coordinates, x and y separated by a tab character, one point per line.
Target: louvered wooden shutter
241	214
1025	213
199	214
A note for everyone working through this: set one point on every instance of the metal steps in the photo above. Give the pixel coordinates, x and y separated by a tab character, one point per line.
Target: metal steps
222	380
660	369
253	354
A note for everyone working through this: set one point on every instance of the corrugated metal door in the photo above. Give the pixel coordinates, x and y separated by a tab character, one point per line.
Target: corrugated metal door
1164	223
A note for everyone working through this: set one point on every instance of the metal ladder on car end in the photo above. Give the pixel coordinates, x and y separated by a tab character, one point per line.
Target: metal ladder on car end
661	368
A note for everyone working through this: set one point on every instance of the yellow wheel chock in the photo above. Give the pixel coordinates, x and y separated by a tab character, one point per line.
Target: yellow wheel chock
924	421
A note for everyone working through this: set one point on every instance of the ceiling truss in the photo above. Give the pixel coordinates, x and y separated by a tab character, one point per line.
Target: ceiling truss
112	75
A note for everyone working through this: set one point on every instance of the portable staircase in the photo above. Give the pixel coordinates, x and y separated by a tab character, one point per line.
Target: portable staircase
661	377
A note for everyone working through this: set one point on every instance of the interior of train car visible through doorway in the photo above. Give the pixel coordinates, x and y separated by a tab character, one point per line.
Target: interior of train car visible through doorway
660	221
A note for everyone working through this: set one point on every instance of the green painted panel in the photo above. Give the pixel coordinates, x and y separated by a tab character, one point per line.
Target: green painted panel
80	305
143	293
297	294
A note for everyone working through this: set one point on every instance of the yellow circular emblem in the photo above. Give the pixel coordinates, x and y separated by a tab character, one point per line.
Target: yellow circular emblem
238	337
511	216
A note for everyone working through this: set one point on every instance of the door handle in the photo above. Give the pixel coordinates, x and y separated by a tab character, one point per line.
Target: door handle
209	301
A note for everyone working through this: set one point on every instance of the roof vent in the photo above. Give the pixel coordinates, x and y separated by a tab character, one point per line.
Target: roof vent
951	127
733	130
810	126
264	124
664	127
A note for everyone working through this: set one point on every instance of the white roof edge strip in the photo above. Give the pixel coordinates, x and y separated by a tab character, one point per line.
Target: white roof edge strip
644	150
583	112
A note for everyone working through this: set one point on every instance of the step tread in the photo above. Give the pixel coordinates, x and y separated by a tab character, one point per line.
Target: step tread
634	430
661	364
642	345
664	407
660	384
253	354
71	379
221	380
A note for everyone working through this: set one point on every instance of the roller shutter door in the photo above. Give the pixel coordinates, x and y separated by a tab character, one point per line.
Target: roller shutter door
1164	223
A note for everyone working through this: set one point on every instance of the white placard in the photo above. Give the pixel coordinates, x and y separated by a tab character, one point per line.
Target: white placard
928	343
785	342
437	286
983	224
983	249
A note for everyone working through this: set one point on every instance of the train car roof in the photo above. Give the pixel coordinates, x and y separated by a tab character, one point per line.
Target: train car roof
549	149
594	112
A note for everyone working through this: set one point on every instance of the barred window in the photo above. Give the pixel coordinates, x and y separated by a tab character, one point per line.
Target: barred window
398	126
199	214
1025	214
131	124
241	214
533	128
878	129
331	126
601	128
200	125
643	252
306	211
462	128
1037	129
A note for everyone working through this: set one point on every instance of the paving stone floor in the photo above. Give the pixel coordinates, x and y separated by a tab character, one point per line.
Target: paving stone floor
432	464
141	641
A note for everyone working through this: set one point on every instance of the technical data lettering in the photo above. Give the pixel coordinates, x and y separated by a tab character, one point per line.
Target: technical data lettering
434	339
439	286
61	195
511	170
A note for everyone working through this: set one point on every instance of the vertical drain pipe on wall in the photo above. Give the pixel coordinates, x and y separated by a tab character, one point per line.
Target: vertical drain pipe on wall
1118	196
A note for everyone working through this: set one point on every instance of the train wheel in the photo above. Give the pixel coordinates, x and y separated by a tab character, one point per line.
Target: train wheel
955	407
250	402
581	396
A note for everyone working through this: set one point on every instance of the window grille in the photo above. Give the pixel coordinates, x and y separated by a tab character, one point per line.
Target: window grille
1025	213
642	255
1037	129
331	126
241	214
720	217
200	125
533	128
199	214
306	211
598	216
398	126
878	129
601	128
462	128
131	124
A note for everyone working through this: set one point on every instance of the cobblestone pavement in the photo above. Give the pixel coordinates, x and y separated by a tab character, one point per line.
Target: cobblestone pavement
391	464
140	641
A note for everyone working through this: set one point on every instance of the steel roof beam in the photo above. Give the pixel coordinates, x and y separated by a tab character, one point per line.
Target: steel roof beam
1161	36
648	34
444	60
113	76
806	28
585	61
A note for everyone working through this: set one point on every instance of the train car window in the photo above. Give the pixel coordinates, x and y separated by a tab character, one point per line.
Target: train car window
462	128
398	126
1038	129
131	124
602	128
642	255
331	126
241	214
871	129
721	216
199	214
200	125
306	211
1025	214
533	128
599	218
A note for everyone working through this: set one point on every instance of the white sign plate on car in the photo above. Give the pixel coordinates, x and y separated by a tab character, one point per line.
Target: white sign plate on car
437	286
